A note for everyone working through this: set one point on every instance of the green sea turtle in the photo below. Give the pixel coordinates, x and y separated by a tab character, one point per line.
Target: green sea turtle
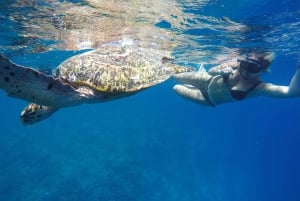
99	75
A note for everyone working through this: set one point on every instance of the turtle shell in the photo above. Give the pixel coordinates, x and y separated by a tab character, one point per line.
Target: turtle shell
117	69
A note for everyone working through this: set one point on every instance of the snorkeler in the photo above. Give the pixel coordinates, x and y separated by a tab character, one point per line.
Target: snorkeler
234	80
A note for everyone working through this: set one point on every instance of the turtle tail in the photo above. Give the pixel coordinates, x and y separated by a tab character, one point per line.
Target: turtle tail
34	113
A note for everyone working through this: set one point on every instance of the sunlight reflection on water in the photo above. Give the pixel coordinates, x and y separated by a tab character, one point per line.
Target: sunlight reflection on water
195	31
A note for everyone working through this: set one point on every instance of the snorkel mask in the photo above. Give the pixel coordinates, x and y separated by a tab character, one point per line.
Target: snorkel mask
249	66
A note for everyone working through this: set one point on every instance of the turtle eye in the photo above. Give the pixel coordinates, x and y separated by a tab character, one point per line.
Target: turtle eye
167	60
57	73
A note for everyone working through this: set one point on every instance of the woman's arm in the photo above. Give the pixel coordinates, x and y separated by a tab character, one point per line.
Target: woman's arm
272	90
294	88
224	68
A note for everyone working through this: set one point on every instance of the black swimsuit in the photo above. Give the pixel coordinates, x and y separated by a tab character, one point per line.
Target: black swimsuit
204	92
238	94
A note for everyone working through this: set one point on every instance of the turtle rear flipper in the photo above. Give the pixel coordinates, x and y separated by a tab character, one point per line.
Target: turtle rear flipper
34	113
34	86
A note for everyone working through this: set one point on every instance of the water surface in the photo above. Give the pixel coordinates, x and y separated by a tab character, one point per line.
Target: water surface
153	146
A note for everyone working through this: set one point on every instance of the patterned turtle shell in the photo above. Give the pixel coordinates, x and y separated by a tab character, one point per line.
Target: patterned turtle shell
114	69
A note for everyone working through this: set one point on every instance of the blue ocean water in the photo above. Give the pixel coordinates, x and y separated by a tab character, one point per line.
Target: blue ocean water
156	146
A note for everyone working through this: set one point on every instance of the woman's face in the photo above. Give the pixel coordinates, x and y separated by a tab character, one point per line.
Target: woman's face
249	68
250	65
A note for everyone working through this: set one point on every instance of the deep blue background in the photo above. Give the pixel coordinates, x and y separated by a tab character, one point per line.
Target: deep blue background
155	146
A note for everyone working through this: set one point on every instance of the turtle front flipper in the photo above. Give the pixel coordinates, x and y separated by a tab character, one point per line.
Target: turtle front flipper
34	86
34	113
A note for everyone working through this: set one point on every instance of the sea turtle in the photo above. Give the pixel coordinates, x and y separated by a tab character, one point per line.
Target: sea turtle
99	75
